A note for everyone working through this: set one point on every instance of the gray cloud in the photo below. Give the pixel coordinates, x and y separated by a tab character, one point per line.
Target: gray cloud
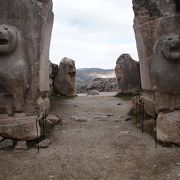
93	33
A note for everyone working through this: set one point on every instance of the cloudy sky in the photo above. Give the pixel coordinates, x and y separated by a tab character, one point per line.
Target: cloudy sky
92	32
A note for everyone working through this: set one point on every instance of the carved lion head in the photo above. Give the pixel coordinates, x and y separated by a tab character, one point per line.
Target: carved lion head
170	46
8	39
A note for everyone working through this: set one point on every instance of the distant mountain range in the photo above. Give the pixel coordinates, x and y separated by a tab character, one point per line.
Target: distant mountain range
86	75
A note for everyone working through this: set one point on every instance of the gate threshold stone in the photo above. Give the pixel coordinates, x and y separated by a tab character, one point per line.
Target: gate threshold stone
19	127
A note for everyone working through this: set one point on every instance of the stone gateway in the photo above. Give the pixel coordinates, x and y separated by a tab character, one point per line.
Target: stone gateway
25	34
157	32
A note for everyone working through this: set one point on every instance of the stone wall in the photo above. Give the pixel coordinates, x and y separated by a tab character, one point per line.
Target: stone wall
25	33
157	32
33	21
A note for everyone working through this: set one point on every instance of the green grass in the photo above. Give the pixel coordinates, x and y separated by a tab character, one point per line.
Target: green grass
59	98
126	96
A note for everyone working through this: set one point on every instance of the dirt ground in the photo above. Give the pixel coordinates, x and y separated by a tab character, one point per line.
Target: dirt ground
94	142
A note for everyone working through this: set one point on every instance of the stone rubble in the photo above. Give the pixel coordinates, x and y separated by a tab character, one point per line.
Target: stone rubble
103	85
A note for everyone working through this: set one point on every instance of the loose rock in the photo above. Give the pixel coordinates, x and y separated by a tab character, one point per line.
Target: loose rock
6	143
44	143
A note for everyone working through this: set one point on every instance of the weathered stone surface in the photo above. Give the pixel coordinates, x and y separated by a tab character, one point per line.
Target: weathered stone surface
103	84
65	80
165	65
25	33
93	92
148	29
14	69
156	27
21	145
168	127
127	74
52	120
43	103
53	73
19	127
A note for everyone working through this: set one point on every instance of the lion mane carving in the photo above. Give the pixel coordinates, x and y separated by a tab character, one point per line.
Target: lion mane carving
14	70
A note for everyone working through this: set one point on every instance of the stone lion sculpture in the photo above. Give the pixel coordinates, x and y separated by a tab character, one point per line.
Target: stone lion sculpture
14	70
165	66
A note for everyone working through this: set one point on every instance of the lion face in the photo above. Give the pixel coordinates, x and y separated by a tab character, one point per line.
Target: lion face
170	47
165	64
8	39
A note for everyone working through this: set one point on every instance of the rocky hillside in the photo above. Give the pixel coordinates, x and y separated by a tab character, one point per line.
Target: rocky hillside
86	75
103	85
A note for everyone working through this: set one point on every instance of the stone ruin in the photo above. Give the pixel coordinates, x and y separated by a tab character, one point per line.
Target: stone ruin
103	84
65	80
25	33
157	32
127	75
53	70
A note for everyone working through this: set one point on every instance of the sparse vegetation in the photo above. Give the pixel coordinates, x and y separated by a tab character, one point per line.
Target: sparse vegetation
126	96
59	98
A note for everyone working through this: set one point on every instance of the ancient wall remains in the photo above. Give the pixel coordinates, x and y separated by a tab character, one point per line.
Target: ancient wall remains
25	33
157	31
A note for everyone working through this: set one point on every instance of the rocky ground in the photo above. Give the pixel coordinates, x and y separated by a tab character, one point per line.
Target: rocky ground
96	141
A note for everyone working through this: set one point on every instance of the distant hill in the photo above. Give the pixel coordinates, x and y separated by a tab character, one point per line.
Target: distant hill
86	75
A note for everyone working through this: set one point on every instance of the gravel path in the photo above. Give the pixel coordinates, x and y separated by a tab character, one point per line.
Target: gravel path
93	143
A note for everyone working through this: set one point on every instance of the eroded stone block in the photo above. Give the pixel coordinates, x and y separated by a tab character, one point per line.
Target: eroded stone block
168	127
25	34
165	65
65	80
19	127
127	75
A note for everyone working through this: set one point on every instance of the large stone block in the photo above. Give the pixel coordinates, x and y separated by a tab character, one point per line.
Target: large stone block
127	74
156	26
168	127
65	80
19	127
165	65
157	32
25	33
153	19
